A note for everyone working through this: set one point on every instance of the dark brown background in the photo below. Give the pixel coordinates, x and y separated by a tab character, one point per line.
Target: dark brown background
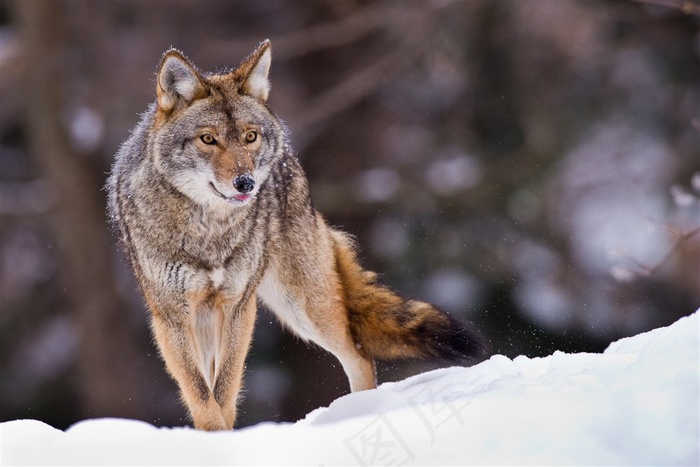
527	165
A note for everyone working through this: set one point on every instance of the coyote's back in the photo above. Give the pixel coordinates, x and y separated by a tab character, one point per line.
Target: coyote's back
213	210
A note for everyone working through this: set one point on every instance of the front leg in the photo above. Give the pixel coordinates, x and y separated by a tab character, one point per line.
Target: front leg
175	341
236	335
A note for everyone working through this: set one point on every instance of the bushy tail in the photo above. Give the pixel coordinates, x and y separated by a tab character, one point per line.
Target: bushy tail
387	326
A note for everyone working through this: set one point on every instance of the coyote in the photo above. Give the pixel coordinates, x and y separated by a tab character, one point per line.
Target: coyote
212	208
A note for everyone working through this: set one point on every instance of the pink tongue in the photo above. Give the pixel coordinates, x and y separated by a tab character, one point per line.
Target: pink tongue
241	197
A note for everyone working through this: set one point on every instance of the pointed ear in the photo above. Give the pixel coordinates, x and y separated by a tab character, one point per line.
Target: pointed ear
255	69
179	83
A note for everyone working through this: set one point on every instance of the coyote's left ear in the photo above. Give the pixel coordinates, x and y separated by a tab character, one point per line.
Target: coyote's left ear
255	69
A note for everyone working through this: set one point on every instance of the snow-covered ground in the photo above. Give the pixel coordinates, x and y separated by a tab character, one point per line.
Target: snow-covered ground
638	403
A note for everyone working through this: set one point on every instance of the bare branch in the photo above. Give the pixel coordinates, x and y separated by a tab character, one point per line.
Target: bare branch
312	39
689	7
644	270
356	87
364	82
331	34
26	198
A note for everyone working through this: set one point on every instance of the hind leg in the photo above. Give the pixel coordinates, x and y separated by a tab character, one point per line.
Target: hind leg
321	319
358	366
334	336
360	370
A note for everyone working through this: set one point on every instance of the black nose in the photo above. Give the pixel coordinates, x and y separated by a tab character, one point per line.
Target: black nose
244	183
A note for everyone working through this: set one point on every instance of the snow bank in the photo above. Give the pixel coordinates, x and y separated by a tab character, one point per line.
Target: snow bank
638	403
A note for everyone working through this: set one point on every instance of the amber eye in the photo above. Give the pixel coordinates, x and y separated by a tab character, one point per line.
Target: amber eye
251	136
207	139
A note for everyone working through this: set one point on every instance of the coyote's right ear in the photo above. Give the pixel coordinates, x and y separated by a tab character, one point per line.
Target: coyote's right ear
179	83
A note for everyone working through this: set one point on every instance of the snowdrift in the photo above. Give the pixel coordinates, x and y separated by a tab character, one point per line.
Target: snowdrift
638	403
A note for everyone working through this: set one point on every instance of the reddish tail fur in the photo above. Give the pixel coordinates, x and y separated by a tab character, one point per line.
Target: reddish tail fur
388	327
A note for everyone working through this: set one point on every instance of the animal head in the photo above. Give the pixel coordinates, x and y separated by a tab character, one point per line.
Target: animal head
215	139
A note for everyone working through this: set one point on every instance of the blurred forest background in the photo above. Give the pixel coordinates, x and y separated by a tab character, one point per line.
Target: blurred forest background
533	167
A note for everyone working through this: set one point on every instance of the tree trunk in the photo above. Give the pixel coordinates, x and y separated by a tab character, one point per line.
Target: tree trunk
109	368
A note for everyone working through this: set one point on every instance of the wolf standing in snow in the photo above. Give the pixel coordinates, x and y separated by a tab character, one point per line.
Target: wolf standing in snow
214	212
